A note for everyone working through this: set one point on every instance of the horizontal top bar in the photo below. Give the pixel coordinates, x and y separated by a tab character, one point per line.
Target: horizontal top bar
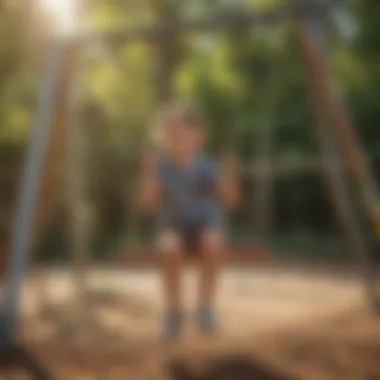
303	10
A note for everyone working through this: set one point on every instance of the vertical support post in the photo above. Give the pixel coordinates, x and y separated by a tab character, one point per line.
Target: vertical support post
22	234
166	50
336	117
263	200
331	114
76	188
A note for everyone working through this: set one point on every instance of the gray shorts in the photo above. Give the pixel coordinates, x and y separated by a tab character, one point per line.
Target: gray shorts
191	235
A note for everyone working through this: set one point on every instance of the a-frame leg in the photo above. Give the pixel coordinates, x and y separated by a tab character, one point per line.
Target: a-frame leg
336	136
33	209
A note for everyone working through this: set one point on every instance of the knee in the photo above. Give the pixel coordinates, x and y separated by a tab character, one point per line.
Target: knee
170	248
212	243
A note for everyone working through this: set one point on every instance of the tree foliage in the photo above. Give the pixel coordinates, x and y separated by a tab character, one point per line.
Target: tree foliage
226	73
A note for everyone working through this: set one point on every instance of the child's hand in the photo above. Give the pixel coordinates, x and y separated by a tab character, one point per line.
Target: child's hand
228	164
148	191
149	160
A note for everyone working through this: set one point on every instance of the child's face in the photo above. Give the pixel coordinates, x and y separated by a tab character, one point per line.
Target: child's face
180	140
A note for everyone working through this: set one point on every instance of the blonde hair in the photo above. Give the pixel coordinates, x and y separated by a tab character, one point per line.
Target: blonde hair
184	111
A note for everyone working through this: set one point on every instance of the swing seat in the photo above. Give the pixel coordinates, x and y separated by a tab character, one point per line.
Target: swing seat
248	253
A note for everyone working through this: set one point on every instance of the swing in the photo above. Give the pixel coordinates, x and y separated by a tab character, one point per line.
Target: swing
330	110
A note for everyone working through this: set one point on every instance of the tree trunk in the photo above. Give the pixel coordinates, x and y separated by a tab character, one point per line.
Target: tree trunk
76	193
166	52
263	200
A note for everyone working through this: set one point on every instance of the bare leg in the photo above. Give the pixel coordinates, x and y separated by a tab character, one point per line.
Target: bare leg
212	250
170	245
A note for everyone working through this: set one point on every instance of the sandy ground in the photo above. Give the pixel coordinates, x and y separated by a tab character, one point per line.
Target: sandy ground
272	325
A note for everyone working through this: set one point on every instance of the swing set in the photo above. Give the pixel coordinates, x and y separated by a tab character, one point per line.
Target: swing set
357	206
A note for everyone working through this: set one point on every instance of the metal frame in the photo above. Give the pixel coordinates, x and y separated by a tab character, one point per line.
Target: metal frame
10	353
305	9
337	139
21	240
335	171
22	228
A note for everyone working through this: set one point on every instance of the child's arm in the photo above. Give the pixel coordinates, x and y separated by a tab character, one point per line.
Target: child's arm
148	190
228	185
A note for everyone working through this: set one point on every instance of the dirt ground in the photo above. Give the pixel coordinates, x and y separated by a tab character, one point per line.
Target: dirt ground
273	325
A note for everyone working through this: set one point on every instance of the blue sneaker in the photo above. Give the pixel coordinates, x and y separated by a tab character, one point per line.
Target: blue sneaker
206	319
172	325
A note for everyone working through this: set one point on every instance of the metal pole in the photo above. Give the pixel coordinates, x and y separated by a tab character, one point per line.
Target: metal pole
330	113
216	22
339	123
25	215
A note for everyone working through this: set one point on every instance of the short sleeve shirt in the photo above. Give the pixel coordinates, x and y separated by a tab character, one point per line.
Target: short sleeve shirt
188	193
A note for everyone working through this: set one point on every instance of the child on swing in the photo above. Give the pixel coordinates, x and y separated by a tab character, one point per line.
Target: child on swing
189	190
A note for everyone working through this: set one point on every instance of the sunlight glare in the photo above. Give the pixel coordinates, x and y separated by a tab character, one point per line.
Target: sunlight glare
63	13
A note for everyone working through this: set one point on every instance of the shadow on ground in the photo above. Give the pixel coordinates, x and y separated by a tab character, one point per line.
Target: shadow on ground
19	359
226	368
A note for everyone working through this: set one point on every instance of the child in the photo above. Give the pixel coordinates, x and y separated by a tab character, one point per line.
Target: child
189	189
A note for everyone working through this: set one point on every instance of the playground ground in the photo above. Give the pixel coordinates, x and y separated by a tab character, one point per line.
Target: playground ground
275	324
